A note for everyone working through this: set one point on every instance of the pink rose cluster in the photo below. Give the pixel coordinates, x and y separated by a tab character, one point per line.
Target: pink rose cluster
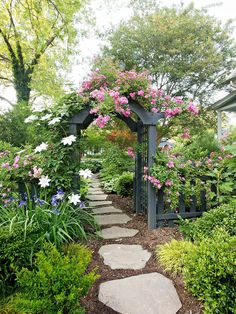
101	121
36	172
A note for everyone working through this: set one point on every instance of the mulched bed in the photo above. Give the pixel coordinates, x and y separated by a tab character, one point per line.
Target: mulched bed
149	239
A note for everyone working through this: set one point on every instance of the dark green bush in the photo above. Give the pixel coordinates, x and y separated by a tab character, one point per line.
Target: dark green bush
124	184
16	251
223	216
210	273
57	283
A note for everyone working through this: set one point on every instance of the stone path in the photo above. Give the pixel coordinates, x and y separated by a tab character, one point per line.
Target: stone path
150	293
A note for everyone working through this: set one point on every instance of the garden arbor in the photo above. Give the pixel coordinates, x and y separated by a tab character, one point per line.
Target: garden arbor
145	127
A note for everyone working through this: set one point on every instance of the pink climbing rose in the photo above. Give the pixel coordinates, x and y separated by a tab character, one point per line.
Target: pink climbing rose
170	164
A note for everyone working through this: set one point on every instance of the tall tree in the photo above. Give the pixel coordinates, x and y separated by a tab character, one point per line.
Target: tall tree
187	51
35	38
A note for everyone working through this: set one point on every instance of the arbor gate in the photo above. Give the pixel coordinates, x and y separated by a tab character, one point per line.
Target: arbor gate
145	127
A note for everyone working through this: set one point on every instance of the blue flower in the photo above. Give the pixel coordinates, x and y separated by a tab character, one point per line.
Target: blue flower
54	201
39	201
60	194
22	203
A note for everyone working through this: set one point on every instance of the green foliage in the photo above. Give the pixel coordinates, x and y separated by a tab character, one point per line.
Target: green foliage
124	184
223	216
172	255
30	35
109	183
208	268
115	161
57	283
93	164
199	146
56	224
16	251
12	127
184	49
210	273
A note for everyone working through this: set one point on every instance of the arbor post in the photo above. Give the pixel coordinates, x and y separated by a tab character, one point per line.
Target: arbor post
138	172
152	145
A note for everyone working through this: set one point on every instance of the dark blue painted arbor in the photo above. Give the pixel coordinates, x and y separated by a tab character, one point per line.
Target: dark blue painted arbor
145	127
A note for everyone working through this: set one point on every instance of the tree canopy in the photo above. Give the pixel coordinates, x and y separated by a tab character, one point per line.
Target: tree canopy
186	51
35	38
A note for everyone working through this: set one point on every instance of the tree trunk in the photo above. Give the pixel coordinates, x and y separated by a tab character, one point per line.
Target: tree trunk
21	84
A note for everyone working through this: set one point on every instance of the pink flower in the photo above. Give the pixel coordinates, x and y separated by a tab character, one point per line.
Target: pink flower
155	110
5	165
130	152
193	108
186	134
86	84
145	170
37	172
172	112
101	121
170	164
178	100
167	97
168	182
141	92
16	159
132	95
220	158
123	100
16	166
93	110
153	102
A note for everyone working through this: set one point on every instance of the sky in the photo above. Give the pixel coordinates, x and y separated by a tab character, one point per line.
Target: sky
90	47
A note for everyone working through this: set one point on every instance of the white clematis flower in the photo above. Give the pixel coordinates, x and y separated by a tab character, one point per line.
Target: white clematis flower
46	117
68	140
44	181
31	119
74	199
41	148
54	121
85	173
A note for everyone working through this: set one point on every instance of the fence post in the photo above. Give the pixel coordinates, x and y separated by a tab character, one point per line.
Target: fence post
152	145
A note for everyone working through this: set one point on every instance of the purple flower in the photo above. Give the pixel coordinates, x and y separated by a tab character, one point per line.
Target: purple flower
22	203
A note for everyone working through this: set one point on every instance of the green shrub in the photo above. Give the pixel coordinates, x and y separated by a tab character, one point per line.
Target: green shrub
210	273
57	283
124	184
223	216
208	268
16	251
92	164
172	255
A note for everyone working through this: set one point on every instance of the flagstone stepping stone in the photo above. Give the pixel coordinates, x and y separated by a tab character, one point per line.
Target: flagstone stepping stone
150	293
117	232
123	256
99	203
95	185
97	197
95	192
112	219
106	210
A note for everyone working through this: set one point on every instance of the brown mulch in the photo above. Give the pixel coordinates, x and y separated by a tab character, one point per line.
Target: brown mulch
149	239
